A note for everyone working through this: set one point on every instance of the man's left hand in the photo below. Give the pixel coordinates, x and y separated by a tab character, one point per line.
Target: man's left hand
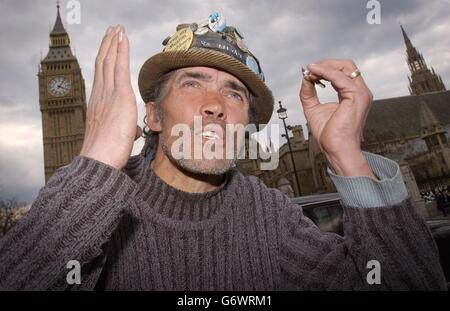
338	127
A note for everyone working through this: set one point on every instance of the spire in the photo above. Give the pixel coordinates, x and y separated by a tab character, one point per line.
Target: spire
58	28
423	80
406	38
59	42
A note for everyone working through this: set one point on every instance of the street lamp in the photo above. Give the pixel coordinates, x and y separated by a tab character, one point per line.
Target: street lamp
283	116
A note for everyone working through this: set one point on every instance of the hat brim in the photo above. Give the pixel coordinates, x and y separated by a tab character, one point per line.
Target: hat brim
160	64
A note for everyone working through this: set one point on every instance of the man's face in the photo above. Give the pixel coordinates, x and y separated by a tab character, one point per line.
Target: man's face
221	100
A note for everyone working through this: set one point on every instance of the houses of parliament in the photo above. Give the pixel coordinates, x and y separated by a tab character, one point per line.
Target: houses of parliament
412	130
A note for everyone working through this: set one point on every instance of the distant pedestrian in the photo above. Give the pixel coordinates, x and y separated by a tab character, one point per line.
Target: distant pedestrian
441	202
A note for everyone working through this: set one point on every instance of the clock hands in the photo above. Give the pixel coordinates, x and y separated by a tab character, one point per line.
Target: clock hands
60	86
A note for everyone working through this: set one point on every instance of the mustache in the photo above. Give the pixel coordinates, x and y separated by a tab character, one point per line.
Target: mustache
208	121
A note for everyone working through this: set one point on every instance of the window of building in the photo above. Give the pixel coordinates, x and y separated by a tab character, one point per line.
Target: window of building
417	65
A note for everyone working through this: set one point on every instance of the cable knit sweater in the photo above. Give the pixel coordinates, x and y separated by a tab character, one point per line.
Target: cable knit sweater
130	230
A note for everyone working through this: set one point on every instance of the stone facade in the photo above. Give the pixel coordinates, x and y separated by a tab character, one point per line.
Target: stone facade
309	162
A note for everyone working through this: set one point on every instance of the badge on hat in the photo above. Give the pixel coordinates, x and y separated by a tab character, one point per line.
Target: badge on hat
202	28
252	64
180	41
217	22
240	43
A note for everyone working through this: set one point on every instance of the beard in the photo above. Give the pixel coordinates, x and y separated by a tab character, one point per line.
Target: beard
204	167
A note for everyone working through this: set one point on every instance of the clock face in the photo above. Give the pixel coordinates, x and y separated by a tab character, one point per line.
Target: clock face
59	86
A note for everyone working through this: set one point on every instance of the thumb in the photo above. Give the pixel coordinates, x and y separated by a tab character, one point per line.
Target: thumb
308	95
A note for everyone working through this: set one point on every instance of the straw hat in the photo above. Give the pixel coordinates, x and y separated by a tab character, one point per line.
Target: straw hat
211	44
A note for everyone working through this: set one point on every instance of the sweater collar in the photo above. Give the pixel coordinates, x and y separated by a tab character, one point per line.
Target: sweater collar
173	203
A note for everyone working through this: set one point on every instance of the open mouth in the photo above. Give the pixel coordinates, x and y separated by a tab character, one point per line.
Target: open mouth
211	132
210	135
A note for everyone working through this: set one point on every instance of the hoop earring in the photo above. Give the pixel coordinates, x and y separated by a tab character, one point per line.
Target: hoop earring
146	129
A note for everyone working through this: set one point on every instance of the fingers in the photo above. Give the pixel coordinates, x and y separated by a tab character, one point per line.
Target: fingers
109	62
338	73
338	79
122	76
308	95
351	92
98	85
347	67
104	47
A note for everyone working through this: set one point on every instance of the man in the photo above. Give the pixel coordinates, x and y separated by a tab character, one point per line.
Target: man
445	204
160	222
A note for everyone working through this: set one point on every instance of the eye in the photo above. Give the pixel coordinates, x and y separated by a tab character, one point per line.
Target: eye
236	96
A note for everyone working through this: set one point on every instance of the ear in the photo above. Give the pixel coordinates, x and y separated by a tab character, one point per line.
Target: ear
153	121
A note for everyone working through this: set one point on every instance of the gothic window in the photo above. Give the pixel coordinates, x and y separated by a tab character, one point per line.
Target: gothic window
433	141
417	65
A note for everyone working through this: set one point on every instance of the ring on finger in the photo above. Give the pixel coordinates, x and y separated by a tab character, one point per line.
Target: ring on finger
355	74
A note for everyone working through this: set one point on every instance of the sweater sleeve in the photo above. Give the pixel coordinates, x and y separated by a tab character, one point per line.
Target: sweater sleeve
71	219
393	240
364	191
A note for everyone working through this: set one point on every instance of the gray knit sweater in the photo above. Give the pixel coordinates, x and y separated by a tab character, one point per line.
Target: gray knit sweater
131	230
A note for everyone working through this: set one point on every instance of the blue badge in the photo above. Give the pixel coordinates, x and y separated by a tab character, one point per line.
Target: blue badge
252	64
217	22
261	76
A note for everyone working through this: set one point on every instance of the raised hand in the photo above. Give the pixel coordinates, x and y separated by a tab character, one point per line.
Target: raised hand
111	121
338	127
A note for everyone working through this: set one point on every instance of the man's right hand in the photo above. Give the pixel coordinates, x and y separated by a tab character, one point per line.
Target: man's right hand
111	121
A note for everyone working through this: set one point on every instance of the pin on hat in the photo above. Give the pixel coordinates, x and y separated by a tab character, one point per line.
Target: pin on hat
241	44
217	22
181	40
202	28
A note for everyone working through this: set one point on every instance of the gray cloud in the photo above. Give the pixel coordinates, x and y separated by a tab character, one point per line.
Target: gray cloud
285	35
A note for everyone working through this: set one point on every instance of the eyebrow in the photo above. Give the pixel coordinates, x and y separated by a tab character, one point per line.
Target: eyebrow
195	75
205	77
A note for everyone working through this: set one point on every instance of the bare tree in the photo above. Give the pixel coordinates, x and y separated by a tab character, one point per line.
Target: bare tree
10	213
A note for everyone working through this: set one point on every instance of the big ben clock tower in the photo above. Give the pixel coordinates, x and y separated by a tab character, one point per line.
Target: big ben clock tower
62	101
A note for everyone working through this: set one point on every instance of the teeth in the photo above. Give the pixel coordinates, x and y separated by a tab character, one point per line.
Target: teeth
210	135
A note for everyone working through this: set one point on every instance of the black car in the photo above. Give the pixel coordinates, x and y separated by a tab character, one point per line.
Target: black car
325	210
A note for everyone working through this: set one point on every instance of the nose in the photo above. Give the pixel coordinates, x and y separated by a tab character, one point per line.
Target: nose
213	107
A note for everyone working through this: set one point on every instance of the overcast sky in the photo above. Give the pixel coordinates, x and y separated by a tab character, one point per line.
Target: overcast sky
284	35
